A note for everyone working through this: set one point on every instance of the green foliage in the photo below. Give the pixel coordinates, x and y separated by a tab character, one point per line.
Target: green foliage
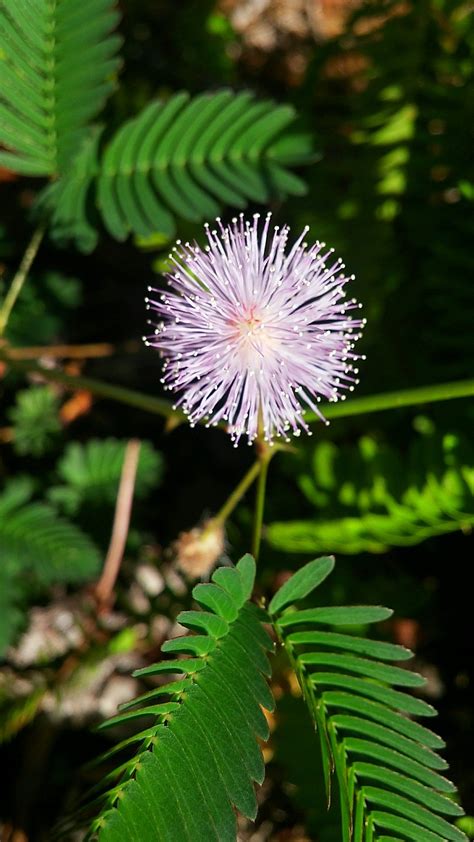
302	583
391	195
57	65
35	419
16	712
91	473
45	303
387	766
68	200
394	197
184	158
466	824
37	549
34	541
430	206
11	617
198	756
365	502
302	771
37	546
181	158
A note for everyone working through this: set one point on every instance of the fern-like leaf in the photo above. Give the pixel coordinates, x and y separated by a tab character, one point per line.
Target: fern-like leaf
387	765
198	756
10	613
371	505
68	200
57	65
37	544
184	158
37	549
91	472
35	417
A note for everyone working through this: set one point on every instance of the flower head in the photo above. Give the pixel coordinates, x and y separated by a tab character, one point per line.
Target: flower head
254	330
198	551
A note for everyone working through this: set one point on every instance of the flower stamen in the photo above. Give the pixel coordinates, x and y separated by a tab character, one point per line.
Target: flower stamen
249	326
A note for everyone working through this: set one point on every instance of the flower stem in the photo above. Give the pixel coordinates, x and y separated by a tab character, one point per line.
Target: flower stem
237	494
20	277
265	454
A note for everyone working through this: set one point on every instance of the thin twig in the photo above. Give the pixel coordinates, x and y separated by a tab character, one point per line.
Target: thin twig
130	397
123	509
161	406
20	277
237	494
88	351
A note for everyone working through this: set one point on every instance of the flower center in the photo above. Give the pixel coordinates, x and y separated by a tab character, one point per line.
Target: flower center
254	340
248	327
251	325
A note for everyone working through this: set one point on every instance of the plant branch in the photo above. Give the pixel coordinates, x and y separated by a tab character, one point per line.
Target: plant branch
396	400
149	403
20	277
234	499
161	406
88	351
123	509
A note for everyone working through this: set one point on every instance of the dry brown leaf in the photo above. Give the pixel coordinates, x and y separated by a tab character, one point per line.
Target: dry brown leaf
76	406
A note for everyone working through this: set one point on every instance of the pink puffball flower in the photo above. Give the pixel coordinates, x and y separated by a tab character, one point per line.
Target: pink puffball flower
253	330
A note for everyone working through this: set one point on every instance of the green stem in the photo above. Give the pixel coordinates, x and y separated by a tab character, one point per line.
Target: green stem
310	699
286	645
237	494
149	403
396	400
20	277
161	406
264	459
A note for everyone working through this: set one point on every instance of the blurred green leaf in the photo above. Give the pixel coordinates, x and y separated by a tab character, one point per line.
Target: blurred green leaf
37	549
36	421
91	473
43	308
370	496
